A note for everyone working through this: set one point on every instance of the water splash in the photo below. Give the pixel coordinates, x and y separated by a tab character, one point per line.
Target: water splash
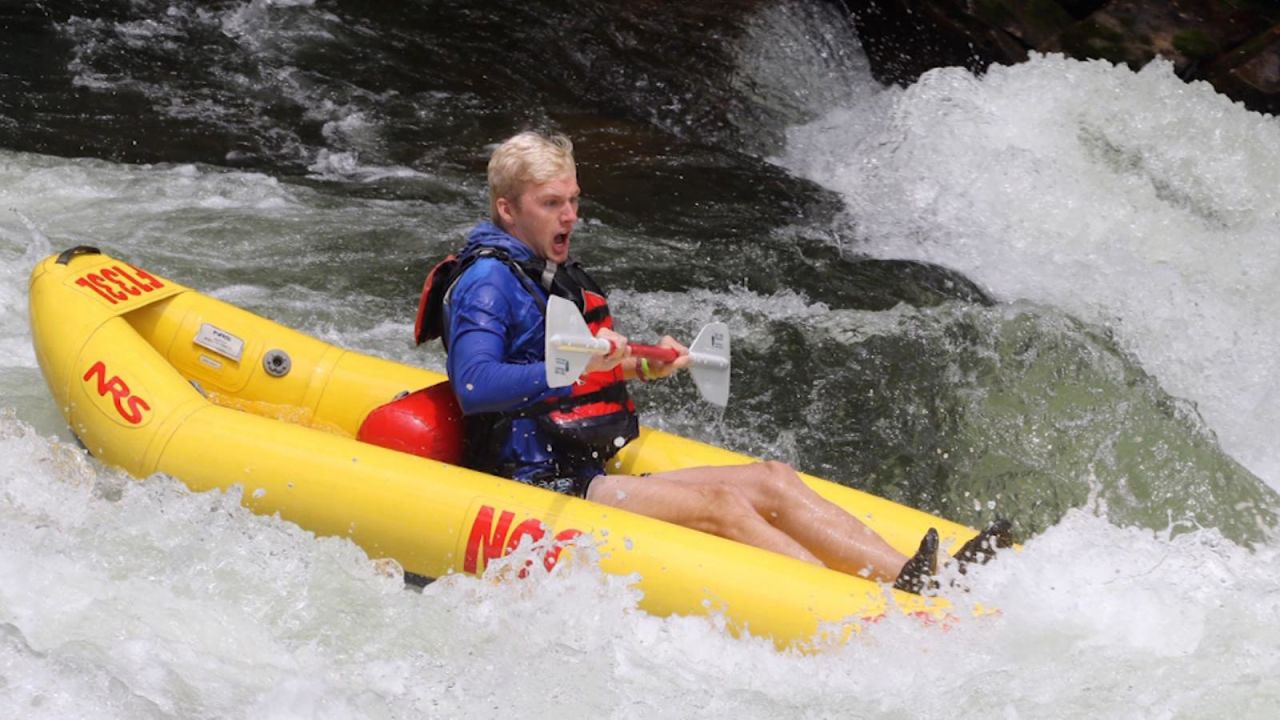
1131	200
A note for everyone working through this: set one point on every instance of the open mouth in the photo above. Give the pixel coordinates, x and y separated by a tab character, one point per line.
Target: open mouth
560	242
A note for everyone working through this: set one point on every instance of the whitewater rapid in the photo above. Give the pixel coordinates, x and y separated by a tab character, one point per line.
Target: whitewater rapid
128	600
1134	201
121	599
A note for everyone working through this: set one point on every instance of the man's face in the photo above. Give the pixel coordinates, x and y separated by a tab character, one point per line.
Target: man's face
543	216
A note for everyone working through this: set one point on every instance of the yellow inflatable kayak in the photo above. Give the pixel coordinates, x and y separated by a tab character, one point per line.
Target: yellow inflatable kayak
155	377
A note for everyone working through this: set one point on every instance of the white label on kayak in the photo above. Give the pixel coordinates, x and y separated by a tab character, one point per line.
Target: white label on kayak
220	341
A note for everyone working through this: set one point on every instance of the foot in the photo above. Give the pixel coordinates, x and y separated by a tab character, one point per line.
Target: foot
916	575
983	547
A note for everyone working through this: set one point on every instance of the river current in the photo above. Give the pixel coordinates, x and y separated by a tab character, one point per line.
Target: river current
1044	292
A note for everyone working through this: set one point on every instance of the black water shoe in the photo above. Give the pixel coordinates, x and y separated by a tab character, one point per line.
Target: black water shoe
982	548
917	574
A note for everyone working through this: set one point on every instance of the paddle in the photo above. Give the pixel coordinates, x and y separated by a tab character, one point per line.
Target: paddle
570	346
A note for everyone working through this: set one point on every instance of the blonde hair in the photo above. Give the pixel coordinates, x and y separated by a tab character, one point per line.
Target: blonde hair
527	159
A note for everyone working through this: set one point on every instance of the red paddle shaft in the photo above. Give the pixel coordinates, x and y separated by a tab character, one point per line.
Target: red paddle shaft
569	347
653	352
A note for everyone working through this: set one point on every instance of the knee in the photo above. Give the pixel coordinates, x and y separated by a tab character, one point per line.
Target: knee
730	511
602	490
777	480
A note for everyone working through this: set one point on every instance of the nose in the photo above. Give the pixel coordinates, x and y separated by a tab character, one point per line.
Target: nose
569	215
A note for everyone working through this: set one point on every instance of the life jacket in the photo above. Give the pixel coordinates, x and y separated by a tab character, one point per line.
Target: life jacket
594	421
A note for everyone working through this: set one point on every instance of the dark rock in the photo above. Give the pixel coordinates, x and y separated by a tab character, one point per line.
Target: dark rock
904	39
1081	9
1187	32
1033	22
1251	73
1233	45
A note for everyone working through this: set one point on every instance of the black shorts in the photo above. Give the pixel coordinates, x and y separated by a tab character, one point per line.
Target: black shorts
575	486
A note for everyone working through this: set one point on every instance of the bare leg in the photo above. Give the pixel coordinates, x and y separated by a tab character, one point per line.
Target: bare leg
689	499
762	504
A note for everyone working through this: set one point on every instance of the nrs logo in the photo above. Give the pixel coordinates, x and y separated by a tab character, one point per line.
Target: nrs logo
128	406
492	536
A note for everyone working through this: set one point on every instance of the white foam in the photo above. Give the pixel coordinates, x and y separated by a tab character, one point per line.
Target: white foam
347	166
117	595
1132	200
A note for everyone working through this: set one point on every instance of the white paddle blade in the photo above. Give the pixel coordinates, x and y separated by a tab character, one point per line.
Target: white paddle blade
709	363
569	344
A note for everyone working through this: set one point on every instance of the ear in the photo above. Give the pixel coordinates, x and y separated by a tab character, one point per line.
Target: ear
505	213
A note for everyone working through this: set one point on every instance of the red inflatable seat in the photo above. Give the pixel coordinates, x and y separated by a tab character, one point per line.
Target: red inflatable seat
427	423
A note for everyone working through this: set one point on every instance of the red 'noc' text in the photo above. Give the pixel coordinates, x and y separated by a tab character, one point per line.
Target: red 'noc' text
490	540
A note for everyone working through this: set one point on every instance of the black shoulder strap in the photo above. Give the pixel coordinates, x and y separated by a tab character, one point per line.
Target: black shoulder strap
525	271
575	277
574	271
487	251
567	280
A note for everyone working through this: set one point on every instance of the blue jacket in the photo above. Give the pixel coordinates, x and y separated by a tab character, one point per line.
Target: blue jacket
495	335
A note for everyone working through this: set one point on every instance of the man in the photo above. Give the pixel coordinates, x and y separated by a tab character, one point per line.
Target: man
492	302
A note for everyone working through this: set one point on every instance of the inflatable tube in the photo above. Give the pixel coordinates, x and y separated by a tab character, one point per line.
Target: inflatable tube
155	377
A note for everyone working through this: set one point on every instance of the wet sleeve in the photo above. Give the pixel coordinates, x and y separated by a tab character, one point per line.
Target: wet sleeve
479	319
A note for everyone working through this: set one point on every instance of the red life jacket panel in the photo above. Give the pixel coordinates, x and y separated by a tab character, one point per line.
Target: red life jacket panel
588	398
427	324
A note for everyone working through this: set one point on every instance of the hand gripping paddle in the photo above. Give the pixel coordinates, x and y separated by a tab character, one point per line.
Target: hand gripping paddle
570	346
